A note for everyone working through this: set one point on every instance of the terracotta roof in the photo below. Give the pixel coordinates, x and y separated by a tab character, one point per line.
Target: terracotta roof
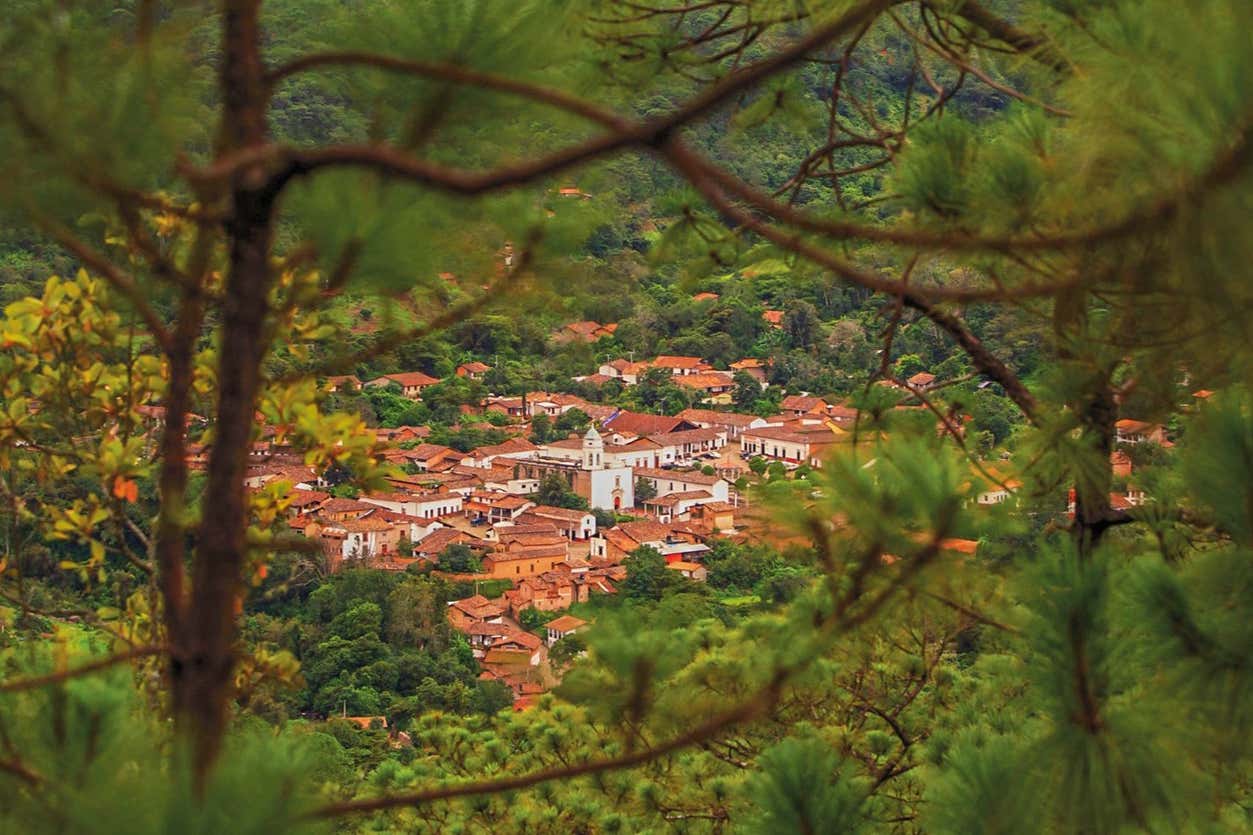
345	506
596	379
639	423
802	403
671	361
303	498
705	380
1128	425
686	436
644	531
674	498
559	513
566	623
529	552
437	540
530	526
474	367
963	546
363	525
774	317
524	639
798	435
749	362
423	452
507	446
922	378
684	476
716	417
411	378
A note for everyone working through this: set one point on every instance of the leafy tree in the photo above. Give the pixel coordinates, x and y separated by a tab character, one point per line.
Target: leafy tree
747	391
571	420
459	559
644	490
542	429
647	576
554	492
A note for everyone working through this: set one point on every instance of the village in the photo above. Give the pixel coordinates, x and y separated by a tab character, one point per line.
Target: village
630	480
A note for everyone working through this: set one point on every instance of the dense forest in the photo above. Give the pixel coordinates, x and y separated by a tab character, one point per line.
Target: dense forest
999	249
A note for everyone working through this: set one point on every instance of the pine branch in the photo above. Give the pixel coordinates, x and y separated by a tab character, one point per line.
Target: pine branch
283	163
35	682
120	280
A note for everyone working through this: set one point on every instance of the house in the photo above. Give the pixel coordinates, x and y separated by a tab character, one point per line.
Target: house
411	382
563	626
680	366
487	507
520	559
1120	463
486	456
731	423
366	538
803	404
755	368
793	446
690	570
922	381
400	434
423	506
841	415
300	502
716	386
996	490
1139	432
475	609
413	528
429	457
640	424
473	370
690	444
674	507
705	297
572	524
339	509
676	481
584	331
343	382
549	591
773	318
301	477
511	406
521	642
716	516
624	370
593	379
617	543
437	541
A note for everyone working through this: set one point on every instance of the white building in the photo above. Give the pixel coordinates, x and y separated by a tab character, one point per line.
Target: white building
587	473
431	506
666	482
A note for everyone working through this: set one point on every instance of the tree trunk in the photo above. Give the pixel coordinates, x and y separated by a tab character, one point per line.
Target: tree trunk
203	675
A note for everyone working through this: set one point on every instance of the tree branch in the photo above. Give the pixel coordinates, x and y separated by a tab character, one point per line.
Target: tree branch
35	682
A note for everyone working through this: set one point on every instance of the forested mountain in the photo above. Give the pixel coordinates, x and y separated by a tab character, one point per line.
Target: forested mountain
606	416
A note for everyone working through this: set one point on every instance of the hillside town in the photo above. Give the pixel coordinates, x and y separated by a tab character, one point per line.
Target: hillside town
549	524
